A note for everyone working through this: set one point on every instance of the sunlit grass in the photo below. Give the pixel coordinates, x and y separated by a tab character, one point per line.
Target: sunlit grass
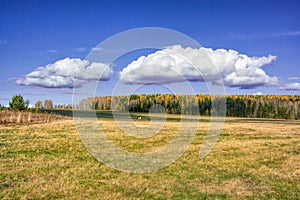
256	160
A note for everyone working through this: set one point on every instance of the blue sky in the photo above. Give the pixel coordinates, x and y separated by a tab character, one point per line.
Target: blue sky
38	33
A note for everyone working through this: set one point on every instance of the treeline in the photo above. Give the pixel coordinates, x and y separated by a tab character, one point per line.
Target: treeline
252	106
18	103
48	104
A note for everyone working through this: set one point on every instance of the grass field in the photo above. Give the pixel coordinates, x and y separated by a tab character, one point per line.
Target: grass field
253	159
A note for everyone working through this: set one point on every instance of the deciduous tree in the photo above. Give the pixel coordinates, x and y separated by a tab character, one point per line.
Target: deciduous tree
38	104
48	104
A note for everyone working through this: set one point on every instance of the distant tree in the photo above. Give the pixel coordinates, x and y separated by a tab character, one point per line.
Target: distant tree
17	103
95	105
48	104
38	104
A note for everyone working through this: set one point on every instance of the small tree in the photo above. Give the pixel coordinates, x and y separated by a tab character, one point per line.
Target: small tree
48	104
38	104
18	103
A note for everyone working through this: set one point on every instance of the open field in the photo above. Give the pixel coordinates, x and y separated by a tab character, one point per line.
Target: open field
253	159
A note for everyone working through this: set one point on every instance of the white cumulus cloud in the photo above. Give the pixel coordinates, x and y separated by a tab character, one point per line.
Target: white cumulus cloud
291	86
175	64
66	73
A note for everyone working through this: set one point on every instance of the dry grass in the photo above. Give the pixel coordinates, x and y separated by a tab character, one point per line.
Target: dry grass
12	117
252	160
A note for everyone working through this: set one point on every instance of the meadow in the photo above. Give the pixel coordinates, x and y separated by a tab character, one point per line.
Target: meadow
253	159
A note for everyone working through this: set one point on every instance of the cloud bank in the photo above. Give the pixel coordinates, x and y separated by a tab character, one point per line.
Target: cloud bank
175	64
66	73
291	87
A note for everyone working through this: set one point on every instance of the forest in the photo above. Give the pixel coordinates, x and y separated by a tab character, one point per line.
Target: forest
250	106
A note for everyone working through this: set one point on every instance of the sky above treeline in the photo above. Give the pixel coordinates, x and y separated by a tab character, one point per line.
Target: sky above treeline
245	47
